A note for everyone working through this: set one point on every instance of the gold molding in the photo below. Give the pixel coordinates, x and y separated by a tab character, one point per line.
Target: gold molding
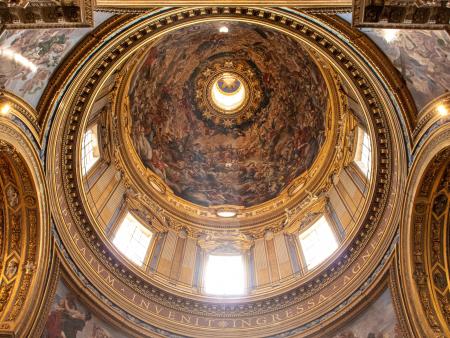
429	116
424	317
130	290
23	111
27	226
144	4
46	14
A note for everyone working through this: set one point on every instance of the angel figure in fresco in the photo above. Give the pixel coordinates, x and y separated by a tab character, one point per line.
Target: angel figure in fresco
66	320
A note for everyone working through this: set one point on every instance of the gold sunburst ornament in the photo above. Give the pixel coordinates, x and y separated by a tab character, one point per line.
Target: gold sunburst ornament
228	93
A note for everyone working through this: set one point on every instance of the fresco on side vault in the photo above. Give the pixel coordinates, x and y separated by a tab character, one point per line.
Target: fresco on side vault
69	318
422	57
211	160
376	321
29	57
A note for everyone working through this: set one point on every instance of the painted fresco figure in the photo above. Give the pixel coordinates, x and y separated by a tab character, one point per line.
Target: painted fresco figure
66	320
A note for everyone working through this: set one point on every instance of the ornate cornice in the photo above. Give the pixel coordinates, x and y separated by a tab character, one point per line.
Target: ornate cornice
412	14
142	5
45	14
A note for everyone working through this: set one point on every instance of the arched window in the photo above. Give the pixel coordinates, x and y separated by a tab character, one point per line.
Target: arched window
89	151
225	275
133	239
318	242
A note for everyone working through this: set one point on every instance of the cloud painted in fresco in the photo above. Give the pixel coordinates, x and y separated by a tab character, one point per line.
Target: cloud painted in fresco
29	57
422	57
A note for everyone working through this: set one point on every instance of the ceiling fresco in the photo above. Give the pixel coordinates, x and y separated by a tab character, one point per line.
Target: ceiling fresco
210	155
29	57
422	57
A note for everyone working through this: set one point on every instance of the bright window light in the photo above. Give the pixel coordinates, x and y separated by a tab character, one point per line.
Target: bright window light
225	275
133	239
5	109
442	110
228	92
363	156
89	150
318	243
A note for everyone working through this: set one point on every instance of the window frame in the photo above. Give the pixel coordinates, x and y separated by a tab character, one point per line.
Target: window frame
245	267
363	168
115	229
305	262
86	173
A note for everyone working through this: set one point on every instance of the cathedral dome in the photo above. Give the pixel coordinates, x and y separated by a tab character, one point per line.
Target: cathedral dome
224	170
227	116
225	166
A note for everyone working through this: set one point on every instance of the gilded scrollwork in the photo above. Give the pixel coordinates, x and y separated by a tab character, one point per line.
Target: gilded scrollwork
20	229
429	226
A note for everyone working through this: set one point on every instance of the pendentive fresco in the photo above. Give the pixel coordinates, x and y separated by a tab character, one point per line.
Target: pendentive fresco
378	320
70	318
422	57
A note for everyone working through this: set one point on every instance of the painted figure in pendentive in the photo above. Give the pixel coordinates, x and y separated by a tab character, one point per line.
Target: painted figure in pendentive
66	320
